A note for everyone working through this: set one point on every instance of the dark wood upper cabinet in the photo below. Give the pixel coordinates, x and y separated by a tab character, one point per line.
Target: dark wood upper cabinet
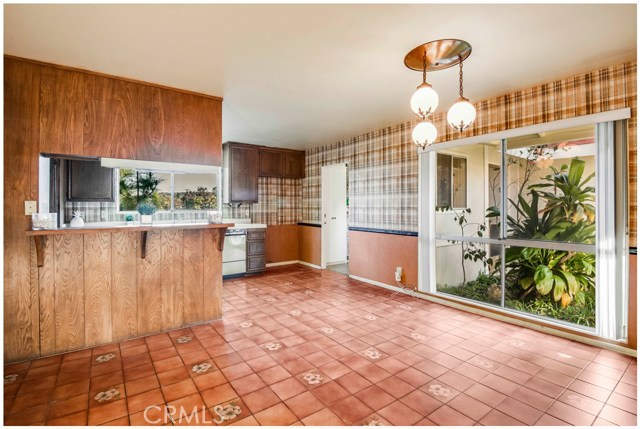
294	163
244	163
271	162
285	163
89	181
240	169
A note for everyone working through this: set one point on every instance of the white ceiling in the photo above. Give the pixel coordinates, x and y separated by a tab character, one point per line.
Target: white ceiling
305	75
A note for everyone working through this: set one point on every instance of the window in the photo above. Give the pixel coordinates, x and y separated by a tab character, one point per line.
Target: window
542	233
168	191
452	181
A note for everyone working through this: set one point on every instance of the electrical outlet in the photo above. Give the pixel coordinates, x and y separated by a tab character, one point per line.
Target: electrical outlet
398	274
246	212
30	207
104	215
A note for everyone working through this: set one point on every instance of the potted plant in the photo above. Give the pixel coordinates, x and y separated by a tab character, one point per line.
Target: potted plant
129	219
146	211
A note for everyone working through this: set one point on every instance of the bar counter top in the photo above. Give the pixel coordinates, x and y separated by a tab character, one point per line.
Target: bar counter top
131	228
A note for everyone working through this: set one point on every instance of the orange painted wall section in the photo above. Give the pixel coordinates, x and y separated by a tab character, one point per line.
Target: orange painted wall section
281	243
633	301
310	244
375	256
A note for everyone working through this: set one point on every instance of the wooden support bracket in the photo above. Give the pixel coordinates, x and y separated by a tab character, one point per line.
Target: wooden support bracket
143	249
39	241
221	232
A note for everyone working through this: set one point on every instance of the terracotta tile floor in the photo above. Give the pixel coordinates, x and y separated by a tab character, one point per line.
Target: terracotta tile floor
298	346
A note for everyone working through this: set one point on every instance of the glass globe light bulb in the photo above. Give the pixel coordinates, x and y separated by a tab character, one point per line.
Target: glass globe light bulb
424	101
461	114
424	134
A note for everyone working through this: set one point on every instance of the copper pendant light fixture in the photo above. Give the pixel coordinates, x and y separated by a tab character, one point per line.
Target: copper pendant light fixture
434	56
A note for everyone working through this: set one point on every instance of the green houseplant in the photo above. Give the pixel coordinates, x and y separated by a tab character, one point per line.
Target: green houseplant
146	211
567	216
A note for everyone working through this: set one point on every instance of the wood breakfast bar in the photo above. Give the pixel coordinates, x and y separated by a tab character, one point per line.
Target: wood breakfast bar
96	287
69	289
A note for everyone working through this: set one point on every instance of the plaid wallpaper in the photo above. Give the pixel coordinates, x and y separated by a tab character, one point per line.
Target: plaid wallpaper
92	212
383	174
383	179
279	201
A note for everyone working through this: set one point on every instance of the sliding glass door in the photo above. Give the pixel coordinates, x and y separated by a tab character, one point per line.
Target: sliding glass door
520	223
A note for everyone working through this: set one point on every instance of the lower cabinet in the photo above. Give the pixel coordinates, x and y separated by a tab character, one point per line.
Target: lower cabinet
256	262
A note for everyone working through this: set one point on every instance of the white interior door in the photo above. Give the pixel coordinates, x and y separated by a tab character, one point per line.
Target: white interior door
334	214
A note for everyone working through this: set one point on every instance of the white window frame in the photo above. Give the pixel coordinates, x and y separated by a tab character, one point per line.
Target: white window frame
611	246
172	209
454	154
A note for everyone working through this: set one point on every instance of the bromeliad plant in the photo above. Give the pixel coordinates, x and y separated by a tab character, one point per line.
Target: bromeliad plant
567	216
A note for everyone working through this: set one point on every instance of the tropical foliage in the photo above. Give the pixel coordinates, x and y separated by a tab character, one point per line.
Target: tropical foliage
568	215
137	187
550	282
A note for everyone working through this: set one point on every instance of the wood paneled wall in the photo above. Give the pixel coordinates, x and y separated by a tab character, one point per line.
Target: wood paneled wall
94	288
62	110
21	136
83	113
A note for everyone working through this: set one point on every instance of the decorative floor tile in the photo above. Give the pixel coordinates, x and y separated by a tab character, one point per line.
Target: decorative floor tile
313	378
299	346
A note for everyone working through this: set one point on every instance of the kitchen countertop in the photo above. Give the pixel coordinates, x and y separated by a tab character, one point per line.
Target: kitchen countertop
310	223
134	228
244	223
250	225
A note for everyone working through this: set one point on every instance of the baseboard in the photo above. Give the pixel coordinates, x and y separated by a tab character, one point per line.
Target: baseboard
505	318
346	261
307	264
277	264
376	283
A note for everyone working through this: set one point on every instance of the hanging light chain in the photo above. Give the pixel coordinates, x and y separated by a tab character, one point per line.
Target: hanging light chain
460	57
424	67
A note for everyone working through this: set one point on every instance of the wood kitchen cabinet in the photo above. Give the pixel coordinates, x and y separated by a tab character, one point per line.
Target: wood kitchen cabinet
241	165
293	164
256	260
271	161
89	181
244	163
285	163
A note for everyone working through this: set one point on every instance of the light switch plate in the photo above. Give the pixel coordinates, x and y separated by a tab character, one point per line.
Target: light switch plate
30	207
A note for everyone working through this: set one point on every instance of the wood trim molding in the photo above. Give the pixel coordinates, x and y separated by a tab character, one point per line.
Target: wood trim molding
110	76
